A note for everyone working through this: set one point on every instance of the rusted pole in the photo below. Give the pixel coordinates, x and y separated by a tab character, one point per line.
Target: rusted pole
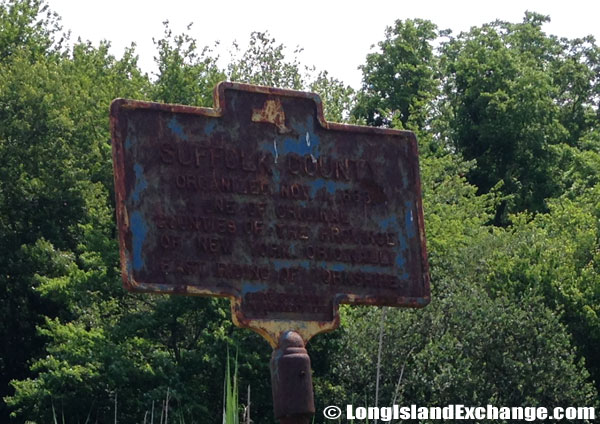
291	381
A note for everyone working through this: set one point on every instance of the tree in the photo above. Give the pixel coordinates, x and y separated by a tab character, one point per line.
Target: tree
28	25
54	164
555	254
264	62
185	75
32	187
400	81
338	99
515	95
465	348
471	345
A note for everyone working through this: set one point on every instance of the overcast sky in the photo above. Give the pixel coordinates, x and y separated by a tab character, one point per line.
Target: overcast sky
336	35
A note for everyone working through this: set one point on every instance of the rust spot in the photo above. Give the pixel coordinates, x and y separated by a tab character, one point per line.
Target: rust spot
271	113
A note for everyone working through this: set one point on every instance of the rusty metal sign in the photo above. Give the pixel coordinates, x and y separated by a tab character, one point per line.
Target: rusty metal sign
261	200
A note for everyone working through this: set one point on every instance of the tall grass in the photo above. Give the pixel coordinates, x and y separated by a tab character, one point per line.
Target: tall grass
231	406
230	394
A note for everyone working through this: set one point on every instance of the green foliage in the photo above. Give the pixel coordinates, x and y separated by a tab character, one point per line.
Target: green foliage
55	169
515	95
512	98
581	165
454	214
264	63
337	98
465	348
399	81
503	109
477	342
27	26
557	255
185	75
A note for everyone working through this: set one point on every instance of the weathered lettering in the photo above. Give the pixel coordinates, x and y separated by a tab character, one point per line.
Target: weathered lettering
263	201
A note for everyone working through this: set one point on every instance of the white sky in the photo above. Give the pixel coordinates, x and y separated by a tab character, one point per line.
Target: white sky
336	35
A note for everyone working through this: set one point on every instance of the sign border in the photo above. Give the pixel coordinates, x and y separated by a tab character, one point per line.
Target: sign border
269	328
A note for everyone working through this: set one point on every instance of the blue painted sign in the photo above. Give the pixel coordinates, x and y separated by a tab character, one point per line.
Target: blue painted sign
261	200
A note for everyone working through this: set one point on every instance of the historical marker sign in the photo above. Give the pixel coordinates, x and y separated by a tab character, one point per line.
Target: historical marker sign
263	201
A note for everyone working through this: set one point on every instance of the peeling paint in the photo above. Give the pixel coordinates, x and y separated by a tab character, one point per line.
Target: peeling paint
280	264
177	129
139	231
140	182
329	186
339	267
313	158
129	142
209	128
253	288
409	220
307	141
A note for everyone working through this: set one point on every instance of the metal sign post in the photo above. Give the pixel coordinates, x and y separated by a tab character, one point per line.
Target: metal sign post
263	201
